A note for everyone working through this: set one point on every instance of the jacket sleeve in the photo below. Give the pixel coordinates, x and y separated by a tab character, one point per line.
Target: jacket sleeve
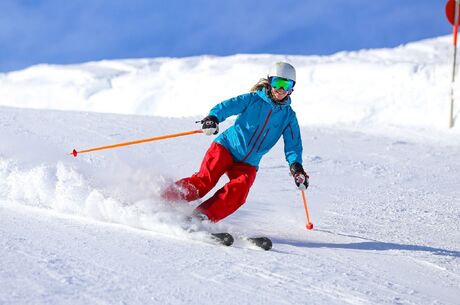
230	107
292	141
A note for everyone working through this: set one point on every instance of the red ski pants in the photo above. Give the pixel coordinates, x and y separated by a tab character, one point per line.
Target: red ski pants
216	162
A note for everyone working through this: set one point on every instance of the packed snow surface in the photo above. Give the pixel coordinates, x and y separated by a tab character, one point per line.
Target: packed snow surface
384	175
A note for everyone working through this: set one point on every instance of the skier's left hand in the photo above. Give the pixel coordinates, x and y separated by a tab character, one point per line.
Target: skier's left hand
300	176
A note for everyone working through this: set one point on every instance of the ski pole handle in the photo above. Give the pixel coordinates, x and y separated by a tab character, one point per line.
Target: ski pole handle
309	225
174	135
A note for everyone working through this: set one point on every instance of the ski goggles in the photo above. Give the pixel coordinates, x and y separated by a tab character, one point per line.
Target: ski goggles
279	82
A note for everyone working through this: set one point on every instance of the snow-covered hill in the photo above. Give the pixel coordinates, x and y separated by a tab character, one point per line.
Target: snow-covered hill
406	86
384	193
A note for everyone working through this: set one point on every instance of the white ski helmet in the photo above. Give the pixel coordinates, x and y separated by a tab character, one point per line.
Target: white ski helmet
282	69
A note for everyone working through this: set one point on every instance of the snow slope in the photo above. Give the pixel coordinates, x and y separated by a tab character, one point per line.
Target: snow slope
384	193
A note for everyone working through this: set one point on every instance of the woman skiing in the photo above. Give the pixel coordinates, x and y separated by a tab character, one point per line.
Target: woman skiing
264	115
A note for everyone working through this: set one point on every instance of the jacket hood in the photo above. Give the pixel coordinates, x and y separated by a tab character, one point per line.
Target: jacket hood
262	92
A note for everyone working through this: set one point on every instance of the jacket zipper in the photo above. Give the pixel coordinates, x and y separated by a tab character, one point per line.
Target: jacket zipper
255	131
257	139
263	139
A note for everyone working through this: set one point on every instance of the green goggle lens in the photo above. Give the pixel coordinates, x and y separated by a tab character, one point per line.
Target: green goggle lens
279	82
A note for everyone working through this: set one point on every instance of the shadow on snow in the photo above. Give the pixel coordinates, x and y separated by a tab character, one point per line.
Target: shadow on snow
368	245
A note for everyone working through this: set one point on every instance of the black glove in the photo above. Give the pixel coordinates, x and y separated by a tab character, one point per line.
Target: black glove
210	125
300	176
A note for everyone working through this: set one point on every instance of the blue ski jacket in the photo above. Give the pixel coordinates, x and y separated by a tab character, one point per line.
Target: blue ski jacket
259	125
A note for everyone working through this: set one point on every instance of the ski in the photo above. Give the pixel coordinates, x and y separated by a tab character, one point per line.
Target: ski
261	242
225	239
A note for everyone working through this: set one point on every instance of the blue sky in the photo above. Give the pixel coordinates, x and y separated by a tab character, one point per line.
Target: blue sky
73	31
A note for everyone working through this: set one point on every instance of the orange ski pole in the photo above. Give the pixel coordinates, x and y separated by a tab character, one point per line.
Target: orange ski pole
309	224
76	152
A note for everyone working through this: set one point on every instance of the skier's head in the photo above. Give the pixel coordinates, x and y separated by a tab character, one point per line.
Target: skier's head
283	70
282	78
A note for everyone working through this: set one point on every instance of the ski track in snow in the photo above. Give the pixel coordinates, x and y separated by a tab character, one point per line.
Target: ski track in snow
91	229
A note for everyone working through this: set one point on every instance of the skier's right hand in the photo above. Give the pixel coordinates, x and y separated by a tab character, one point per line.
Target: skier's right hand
210	125
300	176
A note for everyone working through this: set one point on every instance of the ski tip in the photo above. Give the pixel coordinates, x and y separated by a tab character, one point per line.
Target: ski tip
264	243
74	153
225	239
